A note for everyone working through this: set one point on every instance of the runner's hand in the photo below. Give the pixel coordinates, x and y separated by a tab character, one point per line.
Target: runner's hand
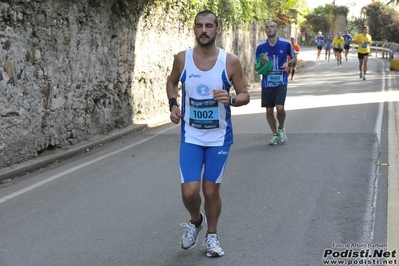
221	96
175	114
285	67
265	59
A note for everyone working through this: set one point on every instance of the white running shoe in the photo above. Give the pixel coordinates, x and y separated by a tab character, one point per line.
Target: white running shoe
360	75
364	77
190	238
212	244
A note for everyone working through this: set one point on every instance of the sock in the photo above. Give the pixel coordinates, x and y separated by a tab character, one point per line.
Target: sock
197	223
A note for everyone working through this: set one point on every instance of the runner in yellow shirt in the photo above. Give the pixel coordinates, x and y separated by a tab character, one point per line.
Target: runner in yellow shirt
338	44
363	41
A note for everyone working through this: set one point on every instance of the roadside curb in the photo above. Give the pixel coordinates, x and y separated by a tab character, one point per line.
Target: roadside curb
393	171
43	161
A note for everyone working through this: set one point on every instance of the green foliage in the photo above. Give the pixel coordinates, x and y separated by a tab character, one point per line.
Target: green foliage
323	10
355	25
315	23
232	12
322	18
341	10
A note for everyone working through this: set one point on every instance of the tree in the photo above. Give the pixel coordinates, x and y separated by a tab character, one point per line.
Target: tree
378	13
321	19
356	24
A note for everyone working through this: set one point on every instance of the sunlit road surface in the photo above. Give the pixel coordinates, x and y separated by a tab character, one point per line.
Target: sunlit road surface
340	85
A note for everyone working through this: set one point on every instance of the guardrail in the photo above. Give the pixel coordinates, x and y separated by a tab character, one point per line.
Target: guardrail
387	49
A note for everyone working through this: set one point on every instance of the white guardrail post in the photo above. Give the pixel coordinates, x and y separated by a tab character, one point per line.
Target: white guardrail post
387	49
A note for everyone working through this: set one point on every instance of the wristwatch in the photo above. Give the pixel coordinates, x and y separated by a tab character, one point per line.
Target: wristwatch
233	100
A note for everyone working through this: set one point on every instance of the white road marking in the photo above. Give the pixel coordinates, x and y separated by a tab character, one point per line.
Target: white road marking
393	170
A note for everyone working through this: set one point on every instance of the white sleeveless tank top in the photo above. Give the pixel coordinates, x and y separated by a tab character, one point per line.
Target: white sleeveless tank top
205	122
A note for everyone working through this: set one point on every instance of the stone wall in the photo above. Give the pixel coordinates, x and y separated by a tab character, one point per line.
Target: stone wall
340	24
71	69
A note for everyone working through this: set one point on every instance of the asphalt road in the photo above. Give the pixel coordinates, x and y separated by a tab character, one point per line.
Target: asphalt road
325	191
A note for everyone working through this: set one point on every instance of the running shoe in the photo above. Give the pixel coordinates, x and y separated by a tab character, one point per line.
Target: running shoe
275	140
283	137
360	75
190	238
212	244
364	77
347	59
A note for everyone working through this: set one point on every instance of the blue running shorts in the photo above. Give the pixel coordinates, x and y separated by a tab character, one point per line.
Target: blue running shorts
194	157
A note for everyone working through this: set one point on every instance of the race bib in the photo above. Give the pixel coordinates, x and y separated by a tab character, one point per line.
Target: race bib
364	45
275	78
339	46
204	114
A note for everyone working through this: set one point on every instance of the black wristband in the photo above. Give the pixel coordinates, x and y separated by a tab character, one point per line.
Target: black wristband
172	102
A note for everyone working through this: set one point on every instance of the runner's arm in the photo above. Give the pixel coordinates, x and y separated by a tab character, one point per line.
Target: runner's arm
172	87
236	75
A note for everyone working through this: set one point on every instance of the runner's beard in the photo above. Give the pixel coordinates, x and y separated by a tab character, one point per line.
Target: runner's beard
208	43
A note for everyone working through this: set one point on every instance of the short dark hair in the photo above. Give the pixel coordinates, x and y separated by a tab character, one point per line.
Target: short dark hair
207	12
